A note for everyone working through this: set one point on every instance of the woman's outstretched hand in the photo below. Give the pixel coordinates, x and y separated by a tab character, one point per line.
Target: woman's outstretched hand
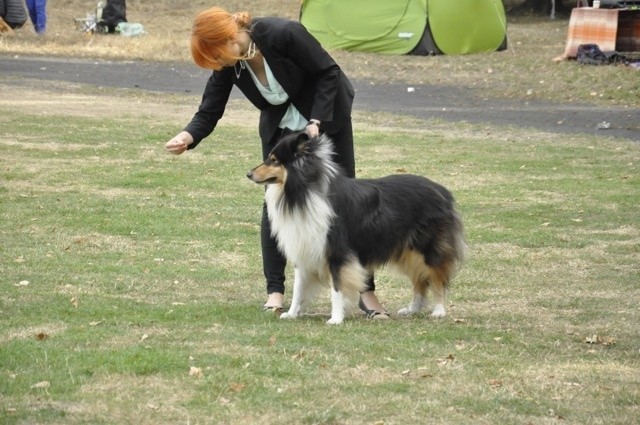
179	143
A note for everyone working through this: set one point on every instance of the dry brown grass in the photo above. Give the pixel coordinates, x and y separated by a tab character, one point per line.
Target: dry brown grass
524	71
167	24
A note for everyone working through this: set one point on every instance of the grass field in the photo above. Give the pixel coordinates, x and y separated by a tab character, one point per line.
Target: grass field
131	279
131	282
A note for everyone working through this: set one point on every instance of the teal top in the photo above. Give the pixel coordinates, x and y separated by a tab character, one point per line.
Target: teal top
275	95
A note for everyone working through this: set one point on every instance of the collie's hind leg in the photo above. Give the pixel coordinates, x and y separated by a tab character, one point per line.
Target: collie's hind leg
419	300
424	276
413	265
438	287
438	284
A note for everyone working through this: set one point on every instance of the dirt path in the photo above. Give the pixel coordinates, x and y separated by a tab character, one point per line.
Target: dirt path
425	102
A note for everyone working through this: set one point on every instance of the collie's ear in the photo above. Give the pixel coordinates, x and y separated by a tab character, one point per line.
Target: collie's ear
302	137
302	141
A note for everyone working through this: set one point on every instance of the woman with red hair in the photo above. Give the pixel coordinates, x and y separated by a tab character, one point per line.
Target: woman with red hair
285	73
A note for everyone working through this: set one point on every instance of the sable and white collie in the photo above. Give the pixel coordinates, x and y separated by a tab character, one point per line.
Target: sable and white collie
338	230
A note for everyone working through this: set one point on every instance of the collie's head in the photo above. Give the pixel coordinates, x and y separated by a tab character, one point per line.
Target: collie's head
297	161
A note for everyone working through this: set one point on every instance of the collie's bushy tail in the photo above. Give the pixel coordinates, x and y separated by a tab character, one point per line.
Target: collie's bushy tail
460	246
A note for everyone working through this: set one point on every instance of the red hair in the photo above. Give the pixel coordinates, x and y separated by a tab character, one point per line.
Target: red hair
210	35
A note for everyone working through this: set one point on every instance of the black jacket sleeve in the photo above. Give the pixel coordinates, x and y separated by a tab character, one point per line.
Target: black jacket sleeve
214	101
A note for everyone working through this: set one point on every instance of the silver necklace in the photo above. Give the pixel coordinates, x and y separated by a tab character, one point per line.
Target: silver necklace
238	71
249	54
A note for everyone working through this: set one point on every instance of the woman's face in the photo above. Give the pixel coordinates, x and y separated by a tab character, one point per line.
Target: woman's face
234	49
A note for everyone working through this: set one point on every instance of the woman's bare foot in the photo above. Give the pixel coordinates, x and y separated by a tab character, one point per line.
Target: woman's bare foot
370	304
274	301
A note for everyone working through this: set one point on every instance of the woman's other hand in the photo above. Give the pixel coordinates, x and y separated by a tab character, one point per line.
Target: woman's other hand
179	143
313	128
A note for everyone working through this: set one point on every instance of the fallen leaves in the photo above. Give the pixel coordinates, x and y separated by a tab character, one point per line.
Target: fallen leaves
236	387
421	373
300	355
495	383
196	372
43	385
600	340
446	361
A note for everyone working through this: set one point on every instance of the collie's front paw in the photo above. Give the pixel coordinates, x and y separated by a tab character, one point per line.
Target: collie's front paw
288	316
438	311
335	320
407	311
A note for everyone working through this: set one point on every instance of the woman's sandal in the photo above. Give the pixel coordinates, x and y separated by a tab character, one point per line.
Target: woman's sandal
275	309
373	314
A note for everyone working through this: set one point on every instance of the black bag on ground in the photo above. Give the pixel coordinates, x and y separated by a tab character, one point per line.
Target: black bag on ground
590	54
113	13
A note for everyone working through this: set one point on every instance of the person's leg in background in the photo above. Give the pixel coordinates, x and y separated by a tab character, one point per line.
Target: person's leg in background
38	14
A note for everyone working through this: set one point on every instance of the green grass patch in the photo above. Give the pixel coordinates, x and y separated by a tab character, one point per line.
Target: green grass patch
131	284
